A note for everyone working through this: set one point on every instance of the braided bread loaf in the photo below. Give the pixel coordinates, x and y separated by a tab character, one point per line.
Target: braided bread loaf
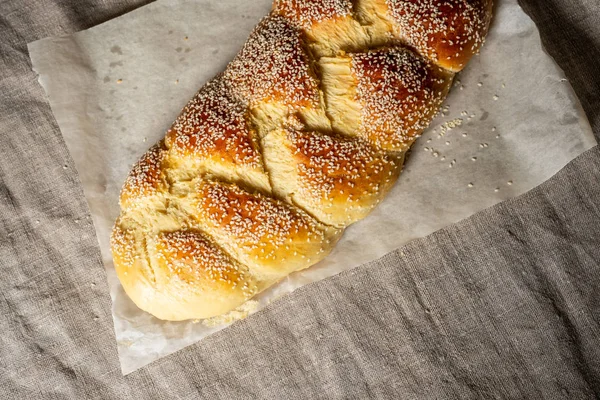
302	135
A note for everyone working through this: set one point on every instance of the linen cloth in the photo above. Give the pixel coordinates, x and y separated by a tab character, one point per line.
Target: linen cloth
502	305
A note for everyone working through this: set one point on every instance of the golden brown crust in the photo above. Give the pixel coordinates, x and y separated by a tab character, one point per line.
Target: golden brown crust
147	176
272	236
399	93
449	32
335	178
214	125
386	96
274	67
306	13
194	258
179	275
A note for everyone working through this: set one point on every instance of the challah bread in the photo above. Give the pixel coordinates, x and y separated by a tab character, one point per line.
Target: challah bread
302	134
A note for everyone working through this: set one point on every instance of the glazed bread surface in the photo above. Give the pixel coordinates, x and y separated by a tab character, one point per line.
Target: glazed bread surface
303	134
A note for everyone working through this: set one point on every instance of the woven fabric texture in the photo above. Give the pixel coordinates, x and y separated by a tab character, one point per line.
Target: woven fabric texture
502	305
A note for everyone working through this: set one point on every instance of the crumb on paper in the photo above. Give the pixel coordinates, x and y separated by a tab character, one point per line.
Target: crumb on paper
119	81
449	125
235	315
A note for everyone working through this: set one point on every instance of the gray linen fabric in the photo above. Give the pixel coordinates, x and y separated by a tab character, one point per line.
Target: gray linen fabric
502	305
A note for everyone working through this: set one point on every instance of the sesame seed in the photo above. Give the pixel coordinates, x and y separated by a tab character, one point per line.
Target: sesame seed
274	50
462	25
399	92
306	13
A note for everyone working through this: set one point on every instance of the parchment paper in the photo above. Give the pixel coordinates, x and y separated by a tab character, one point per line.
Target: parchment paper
511	122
